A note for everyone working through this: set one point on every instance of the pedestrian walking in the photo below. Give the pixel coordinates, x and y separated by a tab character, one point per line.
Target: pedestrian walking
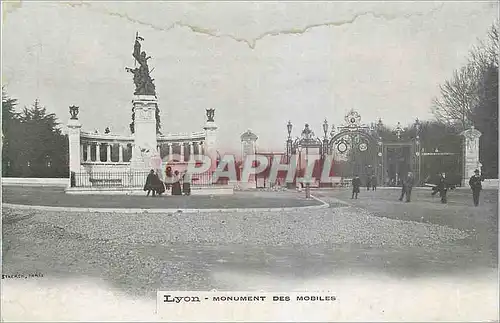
368	182
406	187
442	188
374	183
356	184
149	186
476	186
186	183
176	185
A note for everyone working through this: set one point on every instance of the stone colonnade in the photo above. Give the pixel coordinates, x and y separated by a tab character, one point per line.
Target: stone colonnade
185	150
87	147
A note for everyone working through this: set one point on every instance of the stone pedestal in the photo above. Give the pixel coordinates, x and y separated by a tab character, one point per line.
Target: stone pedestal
210	144
471	153
145	144
74	129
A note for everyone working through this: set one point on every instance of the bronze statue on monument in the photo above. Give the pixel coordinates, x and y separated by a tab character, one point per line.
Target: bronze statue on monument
142	79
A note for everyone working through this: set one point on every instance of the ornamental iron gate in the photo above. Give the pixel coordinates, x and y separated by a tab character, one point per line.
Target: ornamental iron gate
355	149
358	149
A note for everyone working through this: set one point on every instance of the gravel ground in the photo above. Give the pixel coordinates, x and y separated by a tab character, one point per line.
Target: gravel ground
347	248
309	227
55	196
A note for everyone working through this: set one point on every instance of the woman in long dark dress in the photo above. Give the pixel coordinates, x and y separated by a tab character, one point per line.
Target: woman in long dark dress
168	178
176	185
158	184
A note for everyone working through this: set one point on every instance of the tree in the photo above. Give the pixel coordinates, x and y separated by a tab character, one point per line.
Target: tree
470	97
459	97
10	129
485	116
36	148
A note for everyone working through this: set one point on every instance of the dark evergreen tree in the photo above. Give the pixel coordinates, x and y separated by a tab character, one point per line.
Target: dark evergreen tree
35	146
10	133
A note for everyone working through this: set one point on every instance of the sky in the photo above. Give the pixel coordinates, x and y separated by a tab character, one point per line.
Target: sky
258	64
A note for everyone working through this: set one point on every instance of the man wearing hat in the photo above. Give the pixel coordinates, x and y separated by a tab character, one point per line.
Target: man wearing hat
475	185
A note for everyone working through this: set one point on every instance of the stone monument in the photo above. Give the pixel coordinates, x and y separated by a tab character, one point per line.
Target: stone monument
120	162
211	138
74	129
471	153
144	108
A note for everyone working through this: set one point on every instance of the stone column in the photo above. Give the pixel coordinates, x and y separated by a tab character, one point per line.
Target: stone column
89	152
470	153
191	151
169	150
98	152
144	107
108	152
74	130
182	151
120	153
200	148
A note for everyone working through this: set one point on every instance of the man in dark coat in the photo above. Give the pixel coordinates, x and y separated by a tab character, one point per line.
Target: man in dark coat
476	186
150	182
374	183
186	183
442	188
368	182
356	184
407	186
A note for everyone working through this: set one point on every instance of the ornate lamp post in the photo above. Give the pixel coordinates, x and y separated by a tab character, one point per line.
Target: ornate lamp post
289	141
332	134
399	130
299	148
289	149
325	139
380	124
417	148
307	136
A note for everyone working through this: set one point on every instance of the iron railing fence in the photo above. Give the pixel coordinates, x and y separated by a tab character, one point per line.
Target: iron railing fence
135	179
